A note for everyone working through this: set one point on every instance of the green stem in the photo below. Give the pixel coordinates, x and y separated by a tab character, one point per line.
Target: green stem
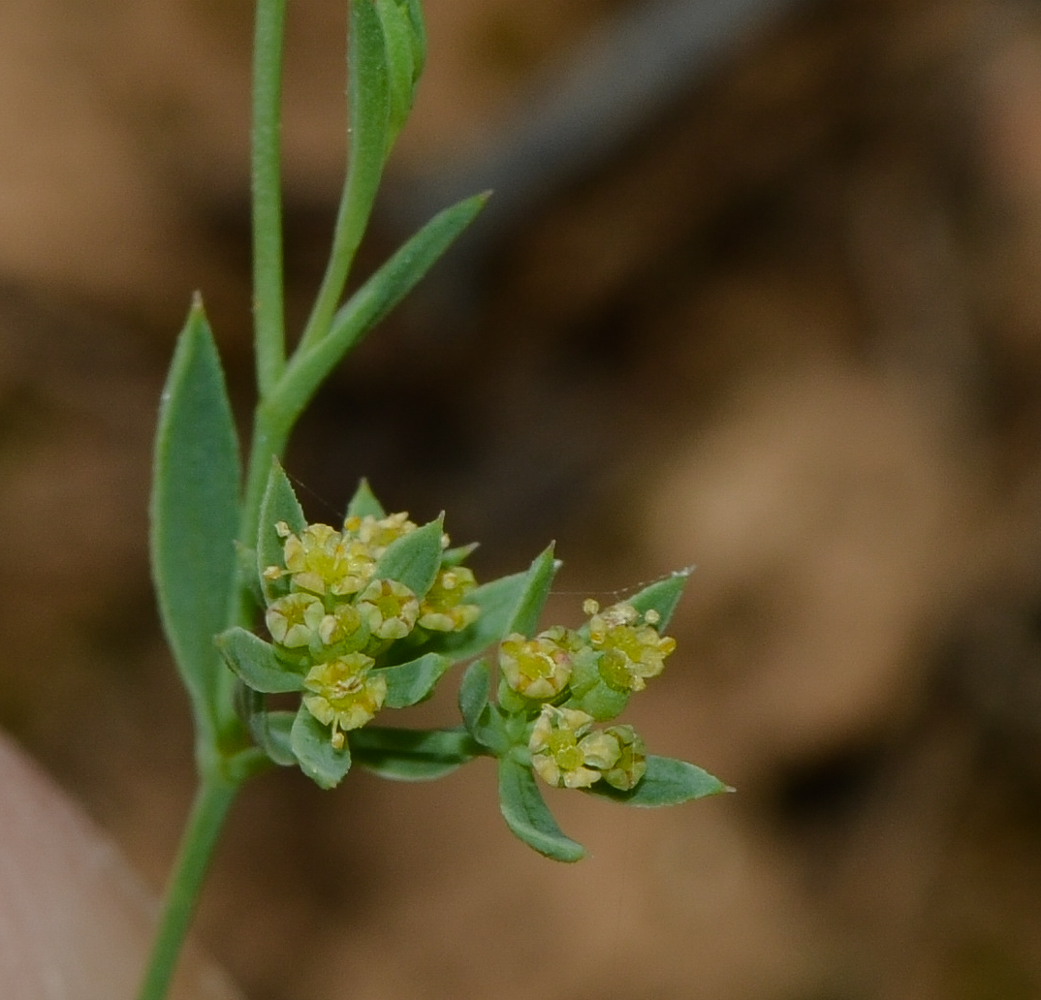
268	294
212	801
368	101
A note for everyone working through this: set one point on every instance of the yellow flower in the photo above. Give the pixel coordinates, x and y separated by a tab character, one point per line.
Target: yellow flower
564	753
377	533
631	763
538	668
343	626
630	652
442	609
293	620
343	694
323	561
389	609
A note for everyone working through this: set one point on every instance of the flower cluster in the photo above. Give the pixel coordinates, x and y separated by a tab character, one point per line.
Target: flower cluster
340	615
569	679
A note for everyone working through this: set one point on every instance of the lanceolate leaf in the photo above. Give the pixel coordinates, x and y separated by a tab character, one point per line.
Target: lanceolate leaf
410	754
662	595
414	559
194	518
364	503
481	718
537	582
256	664
279	505
668	782
413	682
318	758
273	733
527	815
388	286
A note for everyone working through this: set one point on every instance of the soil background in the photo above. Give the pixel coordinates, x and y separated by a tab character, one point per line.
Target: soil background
787	329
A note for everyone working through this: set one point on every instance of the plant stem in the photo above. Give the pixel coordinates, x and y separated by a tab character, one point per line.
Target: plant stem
268	294
212	801
368	108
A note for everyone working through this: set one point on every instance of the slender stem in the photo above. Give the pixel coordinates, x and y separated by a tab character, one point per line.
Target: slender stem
368	108
212	801
268	295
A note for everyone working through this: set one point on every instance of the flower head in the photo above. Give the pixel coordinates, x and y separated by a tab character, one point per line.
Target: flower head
294	620
343	694
389	608
631	763
443	609
630	651
564	752
538	668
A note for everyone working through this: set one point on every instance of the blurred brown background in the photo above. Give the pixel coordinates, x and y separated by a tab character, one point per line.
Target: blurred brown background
787	327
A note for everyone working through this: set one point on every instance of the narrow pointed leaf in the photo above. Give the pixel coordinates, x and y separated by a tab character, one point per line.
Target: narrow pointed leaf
364	503
255	662
279	505
413	682
376	297
194	517
273	733
473	693
668	782
318	759
482	719
414	559
662	595
527	815
537	582
412	755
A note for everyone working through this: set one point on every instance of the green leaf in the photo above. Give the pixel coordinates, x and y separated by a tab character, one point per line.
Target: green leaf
668	782
279	504
481	718
528	817
458	554
411	754
194	519
662	595
473	693
370	303
273	733
318	759
402	72
413	682
533	596
364	503
414	559
255	662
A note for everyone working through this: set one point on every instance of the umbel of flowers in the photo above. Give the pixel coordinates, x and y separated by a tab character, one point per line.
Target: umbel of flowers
370	615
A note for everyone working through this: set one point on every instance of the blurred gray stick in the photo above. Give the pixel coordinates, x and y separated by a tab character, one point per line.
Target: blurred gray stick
633	68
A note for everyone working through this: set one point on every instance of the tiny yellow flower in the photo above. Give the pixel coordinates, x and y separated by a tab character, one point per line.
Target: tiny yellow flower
377	533
344	694
538	668
322	561
631	763
389	608
563	751
443	609
294	619
344	625
630	652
